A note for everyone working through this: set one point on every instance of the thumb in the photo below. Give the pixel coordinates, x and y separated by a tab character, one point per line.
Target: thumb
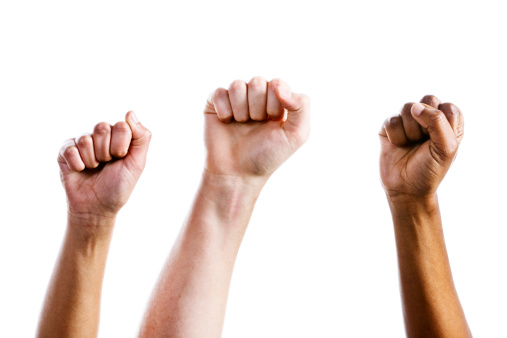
440	131
141	138
298	112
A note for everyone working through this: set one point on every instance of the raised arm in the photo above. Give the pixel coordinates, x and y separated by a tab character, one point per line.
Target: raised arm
99	172
418	147
250	130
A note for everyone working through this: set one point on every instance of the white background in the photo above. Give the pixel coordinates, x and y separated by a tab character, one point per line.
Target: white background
319	257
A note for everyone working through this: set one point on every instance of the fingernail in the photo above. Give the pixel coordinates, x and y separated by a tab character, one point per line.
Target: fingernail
417	109
284	92
134	117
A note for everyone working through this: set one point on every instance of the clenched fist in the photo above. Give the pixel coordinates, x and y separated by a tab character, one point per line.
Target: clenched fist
252	128
99	170
418	147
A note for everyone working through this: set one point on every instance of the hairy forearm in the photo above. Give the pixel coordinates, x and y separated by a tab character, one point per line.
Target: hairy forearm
191	295
72	304
430	302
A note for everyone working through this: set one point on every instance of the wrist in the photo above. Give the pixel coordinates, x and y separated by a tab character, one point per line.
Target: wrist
409	205
228	197
229	182
90	226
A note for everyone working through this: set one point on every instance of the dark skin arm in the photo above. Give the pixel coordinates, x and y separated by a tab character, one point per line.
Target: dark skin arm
418	147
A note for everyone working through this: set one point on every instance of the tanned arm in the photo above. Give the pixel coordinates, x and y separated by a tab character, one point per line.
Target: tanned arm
99	172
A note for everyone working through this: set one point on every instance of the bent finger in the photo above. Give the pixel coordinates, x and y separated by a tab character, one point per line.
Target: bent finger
85	146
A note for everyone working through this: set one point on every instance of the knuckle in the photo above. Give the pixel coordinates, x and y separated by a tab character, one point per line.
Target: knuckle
241	118
429	98
225	115
69	151
119	152
446	105
93	165
394	121
220	94
449	109
237	86
121	127
225	119
103	156
84	141
102	128
257	82
258	116
276	82
220	91
405	111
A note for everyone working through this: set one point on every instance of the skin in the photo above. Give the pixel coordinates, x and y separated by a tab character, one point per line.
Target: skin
250	130
418	147
99	172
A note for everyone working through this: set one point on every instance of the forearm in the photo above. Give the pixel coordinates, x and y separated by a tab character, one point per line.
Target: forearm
430	301
72	304
191	294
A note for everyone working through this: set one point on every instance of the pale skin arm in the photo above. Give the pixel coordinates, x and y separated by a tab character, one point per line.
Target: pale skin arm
248	135
99	172
418	147
191	295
